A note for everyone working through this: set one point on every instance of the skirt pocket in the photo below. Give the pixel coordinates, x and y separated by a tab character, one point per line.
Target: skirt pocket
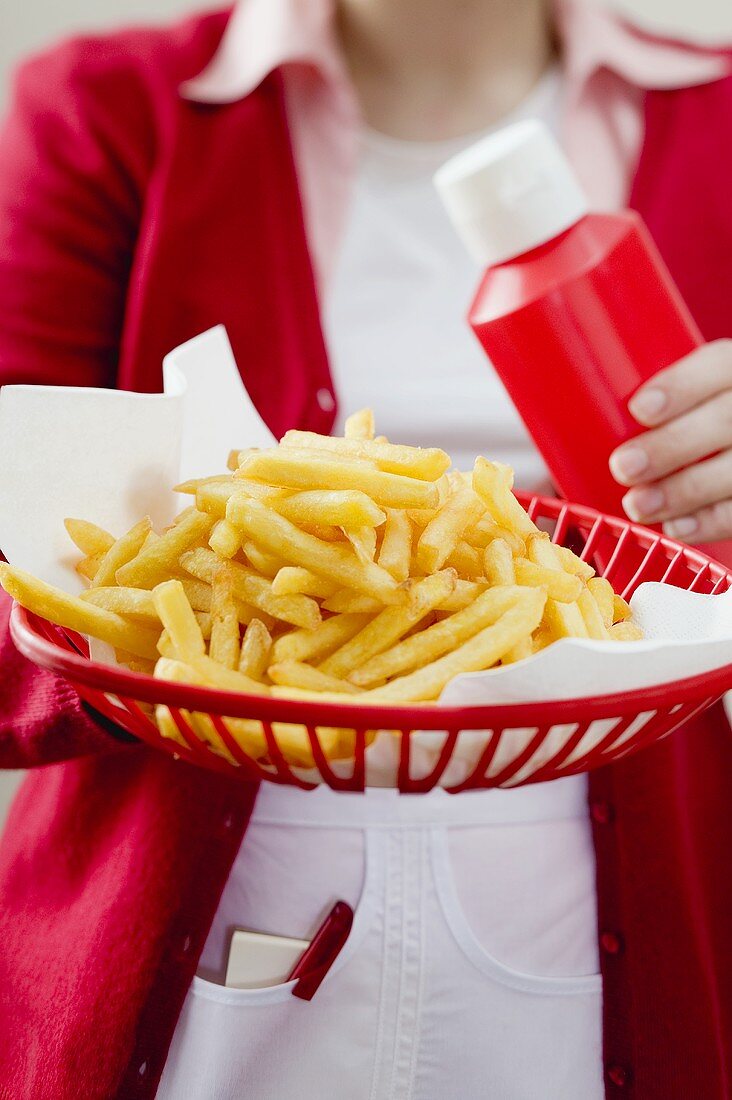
530	926
267	1044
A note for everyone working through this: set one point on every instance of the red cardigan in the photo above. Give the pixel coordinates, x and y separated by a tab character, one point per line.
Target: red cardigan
121	207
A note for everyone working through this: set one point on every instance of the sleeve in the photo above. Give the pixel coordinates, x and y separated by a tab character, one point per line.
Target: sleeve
42	719
72	167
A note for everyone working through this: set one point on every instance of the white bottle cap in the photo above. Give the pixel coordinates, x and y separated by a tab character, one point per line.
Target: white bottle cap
510	192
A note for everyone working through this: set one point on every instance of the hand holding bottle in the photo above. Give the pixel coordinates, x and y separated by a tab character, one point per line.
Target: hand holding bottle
687	409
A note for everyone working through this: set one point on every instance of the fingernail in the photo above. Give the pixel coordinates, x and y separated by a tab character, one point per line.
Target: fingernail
629	462
681	528
648	403
642	503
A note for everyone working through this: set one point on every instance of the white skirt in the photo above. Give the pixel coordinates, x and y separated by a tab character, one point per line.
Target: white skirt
471	970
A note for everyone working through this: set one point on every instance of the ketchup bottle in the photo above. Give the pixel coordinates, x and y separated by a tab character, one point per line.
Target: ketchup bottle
575	309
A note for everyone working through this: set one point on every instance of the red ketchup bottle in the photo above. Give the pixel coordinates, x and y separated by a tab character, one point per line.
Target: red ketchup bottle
575	310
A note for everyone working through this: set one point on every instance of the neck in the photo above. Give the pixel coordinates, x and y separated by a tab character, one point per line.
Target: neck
435	69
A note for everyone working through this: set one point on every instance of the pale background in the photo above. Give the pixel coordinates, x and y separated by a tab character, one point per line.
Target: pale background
26	25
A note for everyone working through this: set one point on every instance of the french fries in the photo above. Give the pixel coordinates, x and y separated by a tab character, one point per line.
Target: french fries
414	462
256	650
363	541
500	568
303	645
156	561
74	614
602	590
338	563
293	468
360	425
122	551
298	675
266	564
225	644
625	631
396	546
348	508
89	567
479	652
91	540
442	534
254	589
565	619
494	483
390	625
224	539
350	601
178	618
293	580
560	586
137	603
428	645
592	615
345	569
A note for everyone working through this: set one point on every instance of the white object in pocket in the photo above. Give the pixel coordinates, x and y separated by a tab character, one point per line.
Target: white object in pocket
258	959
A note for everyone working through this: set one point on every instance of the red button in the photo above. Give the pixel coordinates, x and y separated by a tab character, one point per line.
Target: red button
611	943
182	949
618	1075
602	813
227	825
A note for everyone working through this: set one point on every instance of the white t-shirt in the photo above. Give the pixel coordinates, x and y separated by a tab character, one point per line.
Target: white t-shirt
395	315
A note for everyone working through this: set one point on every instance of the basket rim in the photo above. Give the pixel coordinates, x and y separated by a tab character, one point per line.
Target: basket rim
30	634
77	668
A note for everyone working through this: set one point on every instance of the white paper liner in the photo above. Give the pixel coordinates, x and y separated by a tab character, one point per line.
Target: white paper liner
111	457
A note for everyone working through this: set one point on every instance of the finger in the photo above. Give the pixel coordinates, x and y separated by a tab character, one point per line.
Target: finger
684	493
677	389
687	439
707	525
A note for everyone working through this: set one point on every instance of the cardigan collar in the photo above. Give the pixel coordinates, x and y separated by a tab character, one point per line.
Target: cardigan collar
263	35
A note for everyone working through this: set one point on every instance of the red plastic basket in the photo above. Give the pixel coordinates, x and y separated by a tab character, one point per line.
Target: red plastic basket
459	748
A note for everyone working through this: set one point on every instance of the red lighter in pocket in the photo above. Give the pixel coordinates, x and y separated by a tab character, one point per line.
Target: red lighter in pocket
317	959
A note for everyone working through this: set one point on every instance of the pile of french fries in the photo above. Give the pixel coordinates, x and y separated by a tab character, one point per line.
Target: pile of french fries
347	569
